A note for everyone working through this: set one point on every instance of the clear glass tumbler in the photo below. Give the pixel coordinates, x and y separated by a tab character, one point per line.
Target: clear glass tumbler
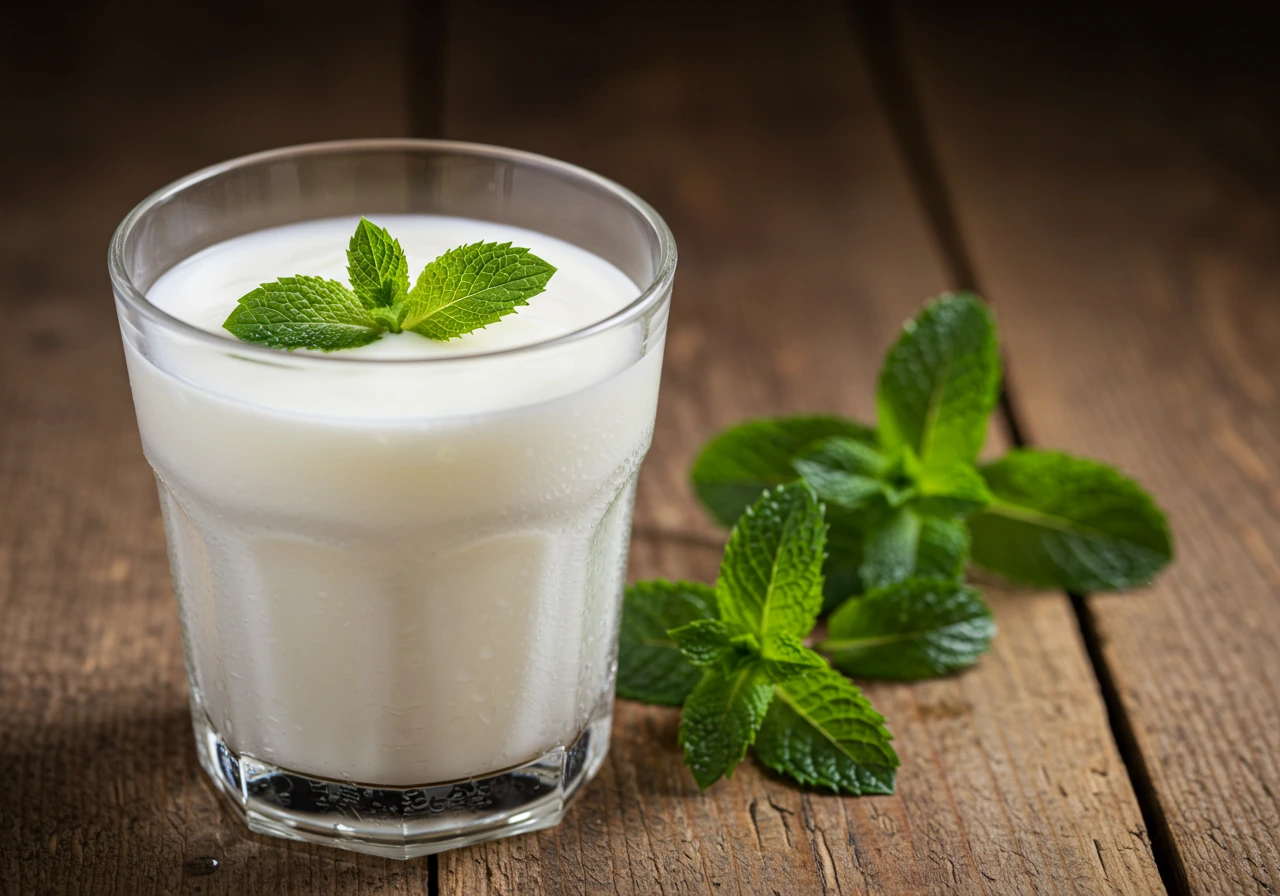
400	629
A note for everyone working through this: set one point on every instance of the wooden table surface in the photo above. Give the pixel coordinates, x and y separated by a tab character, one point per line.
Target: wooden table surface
1110	184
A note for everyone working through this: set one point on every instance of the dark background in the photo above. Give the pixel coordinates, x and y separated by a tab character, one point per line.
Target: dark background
105	102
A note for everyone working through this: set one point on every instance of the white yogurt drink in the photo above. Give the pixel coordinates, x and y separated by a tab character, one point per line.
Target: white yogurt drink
401	565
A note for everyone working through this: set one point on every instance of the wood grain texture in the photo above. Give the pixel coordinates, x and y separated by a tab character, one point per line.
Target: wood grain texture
102	793
801	254
1122	208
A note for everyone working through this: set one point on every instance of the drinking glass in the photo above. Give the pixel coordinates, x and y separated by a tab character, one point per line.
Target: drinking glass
400	629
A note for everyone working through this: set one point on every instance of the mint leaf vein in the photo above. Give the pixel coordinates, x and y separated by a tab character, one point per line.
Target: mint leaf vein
303	312
771	574
650	665
377	266
470	287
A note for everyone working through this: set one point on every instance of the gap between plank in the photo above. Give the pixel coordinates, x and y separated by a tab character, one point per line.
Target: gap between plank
424	58
1170	866
878	38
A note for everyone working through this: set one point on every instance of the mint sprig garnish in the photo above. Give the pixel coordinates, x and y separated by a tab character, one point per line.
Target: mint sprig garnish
768	592
465	289
750	648
904	503
1043	518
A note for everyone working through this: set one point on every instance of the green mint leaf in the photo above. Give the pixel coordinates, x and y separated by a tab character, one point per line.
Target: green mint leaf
470	287
955	488
377	267
784	656
920	628
902	476
852	475
889	554
844	472
744	651
703	641
771	574
651	667
821	731
846	535
907	544
943	550
303	312
1071	523
720	720
940	382
742	461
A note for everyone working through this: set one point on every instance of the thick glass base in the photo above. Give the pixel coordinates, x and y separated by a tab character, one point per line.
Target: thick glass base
402	823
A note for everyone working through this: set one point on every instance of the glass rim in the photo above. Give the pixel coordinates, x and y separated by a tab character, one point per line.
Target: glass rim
136	300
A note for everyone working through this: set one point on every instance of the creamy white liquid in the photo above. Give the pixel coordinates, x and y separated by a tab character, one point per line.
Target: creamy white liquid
398	573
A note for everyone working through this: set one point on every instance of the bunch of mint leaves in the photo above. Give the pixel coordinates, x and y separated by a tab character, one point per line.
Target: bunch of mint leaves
463	290
876	526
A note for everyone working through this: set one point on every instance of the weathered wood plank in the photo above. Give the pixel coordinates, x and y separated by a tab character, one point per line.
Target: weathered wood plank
801	253
1118	185
102	794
